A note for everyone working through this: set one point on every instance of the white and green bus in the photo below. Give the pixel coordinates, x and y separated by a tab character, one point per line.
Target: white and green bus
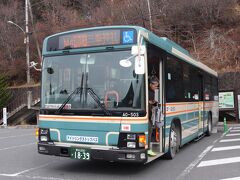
94	95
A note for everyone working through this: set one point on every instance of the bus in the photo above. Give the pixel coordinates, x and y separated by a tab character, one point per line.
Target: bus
94	95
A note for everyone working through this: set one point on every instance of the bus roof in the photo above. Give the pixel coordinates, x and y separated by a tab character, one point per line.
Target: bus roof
161	42
174	49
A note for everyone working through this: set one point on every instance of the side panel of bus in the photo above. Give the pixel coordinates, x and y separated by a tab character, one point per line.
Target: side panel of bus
189	99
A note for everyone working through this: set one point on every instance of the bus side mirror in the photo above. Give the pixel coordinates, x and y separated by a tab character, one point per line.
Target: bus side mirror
135	50
139	65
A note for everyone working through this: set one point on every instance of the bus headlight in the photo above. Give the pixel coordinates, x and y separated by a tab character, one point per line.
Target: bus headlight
44	135
132	140
44	131
43	138
131	136
131	144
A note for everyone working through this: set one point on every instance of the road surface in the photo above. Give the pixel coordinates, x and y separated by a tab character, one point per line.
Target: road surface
212	158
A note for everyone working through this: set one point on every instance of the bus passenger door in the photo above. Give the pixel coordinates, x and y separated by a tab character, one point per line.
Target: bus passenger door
200	106
157	117
159	96
161	103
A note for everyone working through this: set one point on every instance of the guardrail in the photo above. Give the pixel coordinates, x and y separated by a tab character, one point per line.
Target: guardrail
19	99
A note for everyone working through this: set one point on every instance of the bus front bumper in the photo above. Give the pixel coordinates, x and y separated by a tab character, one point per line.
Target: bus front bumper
116	155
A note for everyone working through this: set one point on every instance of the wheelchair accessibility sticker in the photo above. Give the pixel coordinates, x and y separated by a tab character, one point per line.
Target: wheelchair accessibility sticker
127	37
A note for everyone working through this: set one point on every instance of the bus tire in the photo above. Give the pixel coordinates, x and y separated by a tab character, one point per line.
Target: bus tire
209	126
174	141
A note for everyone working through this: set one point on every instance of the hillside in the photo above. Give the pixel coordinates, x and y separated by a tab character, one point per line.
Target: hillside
209	29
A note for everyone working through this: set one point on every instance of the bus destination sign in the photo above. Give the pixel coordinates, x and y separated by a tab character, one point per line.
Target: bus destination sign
92	38
89	38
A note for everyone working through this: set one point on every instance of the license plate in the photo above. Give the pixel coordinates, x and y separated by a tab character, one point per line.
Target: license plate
80	154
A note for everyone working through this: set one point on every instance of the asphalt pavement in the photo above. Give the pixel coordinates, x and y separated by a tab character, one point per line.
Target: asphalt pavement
212	158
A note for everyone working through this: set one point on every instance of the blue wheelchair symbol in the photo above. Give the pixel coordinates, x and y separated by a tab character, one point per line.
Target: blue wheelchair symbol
127	37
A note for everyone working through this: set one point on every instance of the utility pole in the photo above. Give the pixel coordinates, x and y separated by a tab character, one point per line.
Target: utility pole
35	34
150	15
27	42
29	93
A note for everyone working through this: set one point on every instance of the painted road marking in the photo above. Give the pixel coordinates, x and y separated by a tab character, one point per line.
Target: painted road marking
234	178
230	140
233	134
43	177
16	136
236	130
236	127
28	170
198	159
219	162
194	163
225	148
5	132
13	147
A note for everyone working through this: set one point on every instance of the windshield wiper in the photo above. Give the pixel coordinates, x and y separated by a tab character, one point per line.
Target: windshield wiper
98	101
76	91
91	93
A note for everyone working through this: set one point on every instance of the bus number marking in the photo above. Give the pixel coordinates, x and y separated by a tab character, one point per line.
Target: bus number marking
170	108
131	114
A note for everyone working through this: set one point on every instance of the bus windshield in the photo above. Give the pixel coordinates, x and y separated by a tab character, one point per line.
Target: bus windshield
93	81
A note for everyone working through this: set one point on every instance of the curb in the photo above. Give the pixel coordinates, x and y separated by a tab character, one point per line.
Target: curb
220	126
19	127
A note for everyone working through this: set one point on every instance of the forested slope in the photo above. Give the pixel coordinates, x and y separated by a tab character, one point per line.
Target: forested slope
209	29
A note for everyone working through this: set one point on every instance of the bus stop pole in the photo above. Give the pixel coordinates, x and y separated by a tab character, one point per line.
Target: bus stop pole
5	117
225	128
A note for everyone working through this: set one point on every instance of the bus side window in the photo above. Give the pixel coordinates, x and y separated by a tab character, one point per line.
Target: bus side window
187	83
195	84
207	88
174	80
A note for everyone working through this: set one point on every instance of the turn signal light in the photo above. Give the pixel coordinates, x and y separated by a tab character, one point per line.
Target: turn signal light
142	140
37	132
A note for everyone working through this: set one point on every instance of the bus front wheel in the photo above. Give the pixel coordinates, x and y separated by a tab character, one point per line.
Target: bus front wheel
174	142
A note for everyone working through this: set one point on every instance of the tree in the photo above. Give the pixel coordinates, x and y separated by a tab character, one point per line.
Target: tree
209	29
5	95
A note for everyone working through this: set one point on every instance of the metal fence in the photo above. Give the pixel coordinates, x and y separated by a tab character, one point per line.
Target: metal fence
19	99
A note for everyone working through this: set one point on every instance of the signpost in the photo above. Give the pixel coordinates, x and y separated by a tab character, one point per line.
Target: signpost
226	100
239	107
5	117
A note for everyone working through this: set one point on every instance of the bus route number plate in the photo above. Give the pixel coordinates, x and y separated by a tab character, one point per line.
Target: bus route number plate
80	154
